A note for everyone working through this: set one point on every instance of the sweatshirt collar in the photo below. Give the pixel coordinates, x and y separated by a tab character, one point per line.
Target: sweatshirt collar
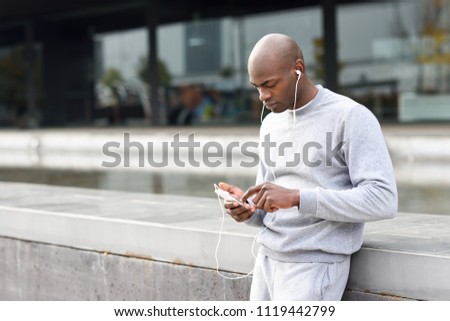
308	106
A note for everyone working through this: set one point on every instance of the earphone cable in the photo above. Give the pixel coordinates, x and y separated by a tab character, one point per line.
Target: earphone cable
295	97
218	244
275	215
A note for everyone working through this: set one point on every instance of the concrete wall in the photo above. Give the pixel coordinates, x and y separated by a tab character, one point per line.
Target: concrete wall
37	271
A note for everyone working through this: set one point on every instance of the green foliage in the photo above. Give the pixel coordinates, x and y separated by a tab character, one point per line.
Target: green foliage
319	59
227	72
164	77
112	77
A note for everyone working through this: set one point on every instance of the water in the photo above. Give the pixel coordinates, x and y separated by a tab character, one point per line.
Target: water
413	198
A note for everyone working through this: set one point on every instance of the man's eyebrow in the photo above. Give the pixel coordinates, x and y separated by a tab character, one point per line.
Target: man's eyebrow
262	84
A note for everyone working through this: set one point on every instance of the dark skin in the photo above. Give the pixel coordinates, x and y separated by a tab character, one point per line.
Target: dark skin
267	196
272	69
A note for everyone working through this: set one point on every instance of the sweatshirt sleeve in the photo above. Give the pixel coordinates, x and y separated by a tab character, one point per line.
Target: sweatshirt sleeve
373	195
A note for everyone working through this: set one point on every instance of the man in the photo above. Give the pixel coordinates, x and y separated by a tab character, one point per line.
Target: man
324	170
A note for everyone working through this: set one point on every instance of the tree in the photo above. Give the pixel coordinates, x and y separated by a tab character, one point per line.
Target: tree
164	77
112	77
319	59
435	25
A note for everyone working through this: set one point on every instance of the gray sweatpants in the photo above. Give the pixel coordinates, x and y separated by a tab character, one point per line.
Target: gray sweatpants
281	281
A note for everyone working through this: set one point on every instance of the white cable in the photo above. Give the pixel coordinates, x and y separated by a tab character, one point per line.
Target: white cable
295	97
275	216
220	238
218	244
262	111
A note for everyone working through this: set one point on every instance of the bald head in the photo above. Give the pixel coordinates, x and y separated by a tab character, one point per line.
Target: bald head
277	70
276	50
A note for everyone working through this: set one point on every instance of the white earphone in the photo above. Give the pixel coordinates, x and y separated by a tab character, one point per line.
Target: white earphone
299	75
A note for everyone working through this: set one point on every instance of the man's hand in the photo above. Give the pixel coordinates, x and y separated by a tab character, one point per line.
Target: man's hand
270	197
238	212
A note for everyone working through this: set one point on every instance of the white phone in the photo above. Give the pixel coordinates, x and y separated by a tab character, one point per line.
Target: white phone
226	196
229	197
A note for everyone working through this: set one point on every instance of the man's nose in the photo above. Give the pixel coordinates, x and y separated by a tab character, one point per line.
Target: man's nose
264	94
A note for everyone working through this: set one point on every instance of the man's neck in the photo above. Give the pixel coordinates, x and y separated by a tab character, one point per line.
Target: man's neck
308	93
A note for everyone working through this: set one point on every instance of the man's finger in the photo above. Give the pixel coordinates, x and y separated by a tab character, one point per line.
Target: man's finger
260	201
225	186
242	216
231	205
230	189
251	191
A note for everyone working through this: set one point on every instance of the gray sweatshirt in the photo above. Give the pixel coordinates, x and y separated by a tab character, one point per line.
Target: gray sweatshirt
336	156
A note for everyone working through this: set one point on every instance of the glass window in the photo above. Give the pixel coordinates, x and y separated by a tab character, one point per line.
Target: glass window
397	56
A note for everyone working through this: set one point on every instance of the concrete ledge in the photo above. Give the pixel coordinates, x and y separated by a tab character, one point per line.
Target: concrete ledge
105	238
181	230
401	274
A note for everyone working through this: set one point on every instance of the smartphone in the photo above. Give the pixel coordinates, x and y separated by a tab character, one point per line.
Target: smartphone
226	196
